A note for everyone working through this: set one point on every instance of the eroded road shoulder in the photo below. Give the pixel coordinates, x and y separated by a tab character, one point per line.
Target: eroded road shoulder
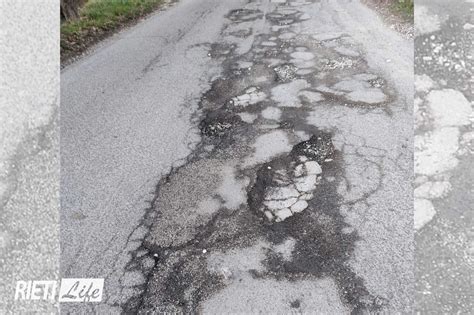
297	198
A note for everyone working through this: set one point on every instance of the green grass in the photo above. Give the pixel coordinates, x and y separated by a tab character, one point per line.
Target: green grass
101	16
105	14
405	7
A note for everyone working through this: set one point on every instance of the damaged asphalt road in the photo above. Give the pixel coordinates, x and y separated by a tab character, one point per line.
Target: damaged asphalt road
287	185
444	148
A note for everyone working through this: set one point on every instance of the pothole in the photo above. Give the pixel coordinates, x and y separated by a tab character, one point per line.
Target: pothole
285	73
219	50
341	63
284	186
358	89
244	15
219	122
318	148
252	96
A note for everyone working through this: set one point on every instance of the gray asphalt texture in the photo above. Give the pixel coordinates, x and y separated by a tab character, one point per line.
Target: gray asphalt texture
176	133
29	150
445	242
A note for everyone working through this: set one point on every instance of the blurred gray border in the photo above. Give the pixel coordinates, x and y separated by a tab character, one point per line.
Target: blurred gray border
444	156
29	152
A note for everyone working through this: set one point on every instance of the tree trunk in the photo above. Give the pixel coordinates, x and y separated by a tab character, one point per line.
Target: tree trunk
70	9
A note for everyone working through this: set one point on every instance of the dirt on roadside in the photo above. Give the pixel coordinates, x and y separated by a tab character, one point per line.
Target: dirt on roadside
397	19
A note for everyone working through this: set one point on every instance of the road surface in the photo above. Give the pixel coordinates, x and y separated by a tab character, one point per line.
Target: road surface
236	156
444	147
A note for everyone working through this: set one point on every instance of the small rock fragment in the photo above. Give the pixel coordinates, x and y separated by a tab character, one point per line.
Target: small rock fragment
299	206
279	204
299	170
283	214
307	196
313	168
306	183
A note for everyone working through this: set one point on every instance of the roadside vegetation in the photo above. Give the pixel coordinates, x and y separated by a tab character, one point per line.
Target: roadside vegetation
97	19
398	14
405	8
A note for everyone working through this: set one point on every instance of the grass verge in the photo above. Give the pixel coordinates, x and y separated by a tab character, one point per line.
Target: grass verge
98	19
405	8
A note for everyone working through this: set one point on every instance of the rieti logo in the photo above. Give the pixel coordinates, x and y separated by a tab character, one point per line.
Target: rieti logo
70	290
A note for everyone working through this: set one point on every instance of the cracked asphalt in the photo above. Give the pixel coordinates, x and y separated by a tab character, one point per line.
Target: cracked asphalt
245	157
444	143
